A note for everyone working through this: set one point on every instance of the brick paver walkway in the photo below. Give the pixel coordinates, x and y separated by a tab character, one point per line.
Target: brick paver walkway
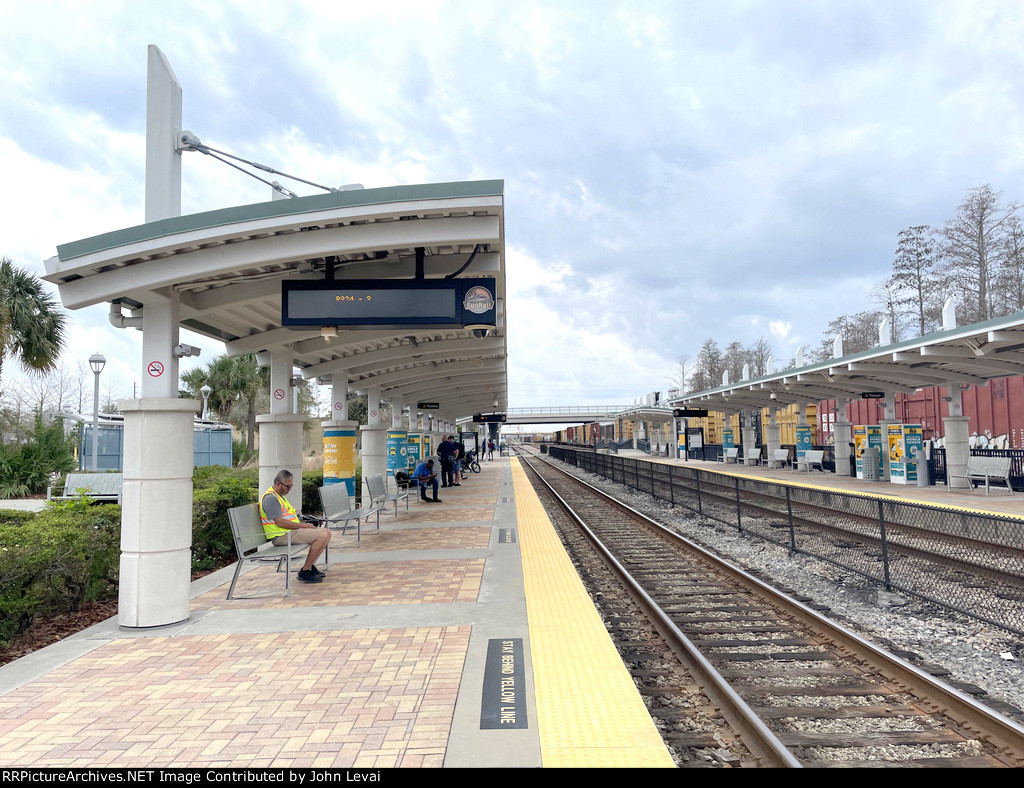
366	698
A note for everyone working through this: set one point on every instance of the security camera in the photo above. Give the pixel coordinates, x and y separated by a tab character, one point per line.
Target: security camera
182	350
479	333
772	396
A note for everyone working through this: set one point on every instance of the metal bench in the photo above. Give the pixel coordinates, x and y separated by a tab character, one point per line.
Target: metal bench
338	510
98	486
730	455
251	544
985	469
810	459
753	459
779	458
380	496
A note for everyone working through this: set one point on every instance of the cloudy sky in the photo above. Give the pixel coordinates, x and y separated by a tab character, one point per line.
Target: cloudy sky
673	171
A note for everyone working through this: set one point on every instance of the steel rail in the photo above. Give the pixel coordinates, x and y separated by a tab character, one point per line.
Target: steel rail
1003	733
759	739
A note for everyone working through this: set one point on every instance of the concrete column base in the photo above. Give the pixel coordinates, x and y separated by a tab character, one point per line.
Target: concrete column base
772	438
374	456
281	450
749	441
156	512
843	432
958	449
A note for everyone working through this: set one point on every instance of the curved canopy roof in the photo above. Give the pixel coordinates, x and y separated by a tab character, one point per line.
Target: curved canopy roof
228	267
973	354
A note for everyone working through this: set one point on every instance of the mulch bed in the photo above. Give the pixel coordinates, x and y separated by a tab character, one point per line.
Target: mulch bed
46	630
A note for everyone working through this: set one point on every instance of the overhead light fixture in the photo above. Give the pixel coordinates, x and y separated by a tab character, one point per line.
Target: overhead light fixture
329	333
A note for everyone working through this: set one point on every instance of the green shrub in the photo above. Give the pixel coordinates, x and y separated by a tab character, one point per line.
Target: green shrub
206	476
212	544
241	454
55	562
27	469
312	481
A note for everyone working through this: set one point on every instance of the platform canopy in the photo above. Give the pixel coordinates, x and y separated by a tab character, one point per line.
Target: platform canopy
972	355
228	268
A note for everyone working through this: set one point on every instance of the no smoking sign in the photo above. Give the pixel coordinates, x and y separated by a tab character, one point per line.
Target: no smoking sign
155	369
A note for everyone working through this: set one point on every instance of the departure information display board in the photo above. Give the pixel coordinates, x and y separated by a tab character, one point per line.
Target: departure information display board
396	303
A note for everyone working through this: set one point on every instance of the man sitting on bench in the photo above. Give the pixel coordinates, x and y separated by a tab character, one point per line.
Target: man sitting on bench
279	517
424	474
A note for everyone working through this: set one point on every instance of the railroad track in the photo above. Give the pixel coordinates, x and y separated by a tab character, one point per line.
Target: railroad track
794	688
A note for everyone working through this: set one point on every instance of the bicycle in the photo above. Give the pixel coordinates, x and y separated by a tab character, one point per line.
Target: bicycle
472	463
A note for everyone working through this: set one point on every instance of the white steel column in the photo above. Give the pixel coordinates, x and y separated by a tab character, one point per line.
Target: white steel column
956	427
281	430
163	125
156	512
374	441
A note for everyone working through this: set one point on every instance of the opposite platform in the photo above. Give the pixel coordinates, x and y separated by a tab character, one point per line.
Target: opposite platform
458	636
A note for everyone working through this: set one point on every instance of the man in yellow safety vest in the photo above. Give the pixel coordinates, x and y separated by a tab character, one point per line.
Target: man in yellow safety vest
279	518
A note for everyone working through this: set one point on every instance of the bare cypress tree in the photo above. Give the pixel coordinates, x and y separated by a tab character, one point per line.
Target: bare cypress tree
759	354
1010	279
915	278
886	296
971	243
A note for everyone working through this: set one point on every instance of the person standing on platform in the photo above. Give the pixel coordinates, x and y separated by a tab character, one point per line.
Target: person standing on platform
279	517
459	461
446	453
424	475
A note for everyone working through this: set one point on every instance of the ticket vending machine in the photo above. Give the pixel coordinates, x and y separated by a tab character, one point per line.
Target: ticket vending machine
398	451
868	436
905	441
804	440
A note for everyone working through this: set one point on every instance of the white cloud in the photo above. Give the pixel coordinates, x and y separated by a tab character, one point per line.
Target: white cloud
674	171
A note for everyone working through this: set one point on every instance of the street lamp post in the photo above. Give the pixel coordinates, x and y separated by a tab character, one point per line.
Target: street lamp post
206	391
96	362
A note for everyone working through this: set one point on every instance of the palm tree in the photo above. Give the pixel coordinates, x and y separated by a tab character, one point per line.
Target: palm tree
231	378
32	329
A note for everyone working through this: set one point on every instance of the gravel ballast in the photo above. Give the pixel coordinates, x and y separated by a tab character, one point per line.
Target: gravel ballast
974	653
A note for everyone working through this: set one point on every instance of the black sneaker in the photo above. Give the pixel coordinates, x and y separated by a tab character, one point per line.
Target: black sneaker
309	576
314	569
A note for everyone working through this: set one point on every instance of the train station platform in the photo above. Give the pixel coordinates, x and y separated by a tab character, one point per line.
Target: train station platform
998	501
457	636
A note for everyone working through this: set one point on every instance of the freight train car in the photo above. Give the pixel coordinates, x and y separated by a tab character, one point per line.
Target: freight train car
995	412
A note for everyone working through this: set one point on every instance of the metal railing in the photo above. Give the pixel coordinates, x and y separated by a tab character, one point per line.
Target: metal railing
972	563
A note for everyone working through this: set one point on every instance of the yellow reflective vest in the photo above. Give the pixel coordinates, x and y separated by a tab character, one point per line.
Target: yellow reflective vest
270	528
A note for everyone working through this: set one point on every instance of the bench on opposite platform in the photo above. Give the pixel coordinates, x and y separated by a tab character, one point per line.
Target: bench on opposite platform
987	470
810	459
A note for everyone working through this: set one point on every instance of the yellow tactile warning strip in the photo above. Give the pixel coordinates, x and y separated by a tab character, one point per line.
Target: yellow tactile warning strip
374	698
361	583
589	713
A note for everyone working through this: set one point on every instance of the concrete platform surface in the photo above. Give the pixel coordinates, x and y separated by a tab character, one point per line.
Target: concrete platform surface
457	636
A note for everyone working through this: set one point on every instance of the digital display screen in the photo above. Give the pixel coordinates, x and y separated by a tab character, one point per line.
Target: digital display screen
373	303
396	303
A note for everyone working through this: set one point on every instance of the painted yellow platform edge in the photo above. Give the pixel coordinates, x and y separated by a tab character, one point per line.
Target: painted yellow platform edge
863	494
589	712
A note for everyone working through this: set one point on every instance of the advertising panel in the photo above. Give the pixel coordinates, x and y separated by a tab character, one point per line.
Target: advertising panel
340	457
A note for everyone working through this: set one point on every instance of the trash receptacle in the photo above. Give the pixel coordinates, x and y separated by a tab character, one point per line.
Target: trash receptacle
870	468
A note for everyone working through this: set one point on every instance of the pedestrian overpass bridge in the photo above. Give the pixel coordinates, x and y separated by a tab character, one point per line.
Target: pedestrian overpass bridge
567	414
